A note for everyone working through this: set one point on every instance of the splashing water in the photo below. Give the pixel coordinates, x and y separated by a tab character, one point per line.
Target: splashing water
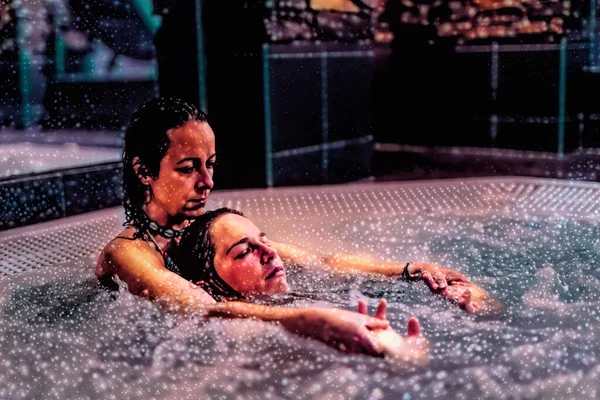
61	336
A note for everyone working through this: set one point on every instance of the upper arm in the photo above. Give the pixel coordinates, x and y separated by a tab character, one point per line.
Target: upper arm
295	255
142	270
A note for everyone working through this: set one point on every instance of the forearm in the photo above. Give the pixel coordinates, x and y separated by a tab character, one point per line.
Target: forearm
294	255
237	309
301	321
344	263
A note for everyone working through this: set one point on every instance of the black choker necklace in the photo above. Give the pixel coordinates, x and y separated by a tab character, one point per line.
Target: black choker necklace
166	233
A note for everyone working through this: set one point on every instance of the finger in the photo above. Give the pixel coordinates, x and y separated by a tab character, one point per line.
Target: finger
430	281
413	328
375	323
456	277
381	309
465	300
441	281
452	293
445	293
362	307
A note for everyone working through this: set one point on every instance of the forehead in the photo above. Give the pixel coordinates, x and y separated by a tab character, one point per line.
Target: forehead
230	228
192	139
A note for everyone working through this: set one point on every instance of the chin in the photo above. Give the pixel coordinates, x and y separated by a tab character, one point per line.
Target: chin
193	213
280	287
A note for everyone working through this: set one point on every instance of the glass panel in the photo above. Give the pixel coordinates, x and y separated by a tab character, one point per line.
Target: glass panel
73	72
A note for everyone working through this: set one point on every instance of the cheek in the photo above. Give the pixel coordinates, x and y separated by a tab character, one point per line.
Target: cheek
248	273
174	183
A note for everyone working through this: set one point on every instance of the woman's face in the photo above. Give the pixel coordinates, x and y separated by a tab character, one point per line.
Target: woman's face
185	177
244	259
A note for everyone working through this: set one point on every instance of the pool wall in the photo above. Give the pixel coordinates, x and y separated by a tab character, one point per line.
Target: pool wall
290	212
35	198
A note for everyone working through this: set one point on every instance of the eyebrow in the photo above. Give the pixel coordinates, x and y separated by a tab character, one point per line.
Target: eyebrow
244	240
193	159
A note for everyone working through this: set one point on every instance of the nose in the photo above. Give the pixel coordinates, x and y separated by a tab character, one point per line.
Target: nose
205	180
267	254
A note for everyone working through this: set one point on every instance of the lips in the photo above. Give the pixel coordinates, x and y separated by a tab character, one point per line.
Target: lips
198	203
275	271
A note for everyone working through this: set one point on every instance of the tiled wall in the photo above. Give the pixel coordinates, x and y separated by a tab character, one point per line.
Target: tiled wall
320	113
44	197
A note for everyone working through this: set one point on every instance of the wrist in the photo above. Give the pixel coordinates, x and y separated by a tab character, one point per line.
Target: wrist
419	268
411	271
297	320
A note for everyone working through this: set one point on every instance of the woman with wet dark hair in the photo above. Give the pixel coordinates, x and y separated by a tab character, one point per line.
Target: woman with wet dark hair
228	256
146	139
196	256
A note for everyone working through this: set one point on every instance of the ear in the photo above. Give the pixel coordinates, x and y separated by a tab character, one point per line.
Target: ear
140	171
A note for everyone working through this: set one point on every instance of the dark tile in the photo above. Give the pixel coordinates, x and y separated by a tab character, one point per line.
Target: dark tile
94	105
349	81
301	169
30	201
528	83
349	163
528	136
93	189
296	105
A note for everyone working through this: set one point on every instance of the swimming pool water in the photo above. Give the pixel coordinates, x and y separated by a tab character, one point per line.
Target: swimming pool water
61	336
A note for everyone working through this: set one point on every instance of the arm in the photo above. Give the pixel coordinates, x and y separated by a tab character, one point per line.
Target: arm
345	330
295	255
448	283
140	267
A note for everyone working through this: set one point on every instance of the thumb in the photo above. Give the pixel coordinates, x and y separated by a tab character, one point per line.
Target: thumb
413	328
465	301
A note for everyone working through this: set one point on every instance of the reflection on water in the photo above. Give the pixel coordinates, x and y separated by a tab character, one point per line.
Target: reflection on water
61	336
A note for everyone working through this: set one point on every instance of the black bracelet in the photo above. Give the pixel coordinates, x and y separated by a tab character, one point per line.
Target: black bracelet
405	274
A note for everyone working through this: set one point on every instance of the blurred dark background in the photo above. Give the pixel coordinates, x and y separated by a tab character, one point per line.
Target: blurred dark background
300	91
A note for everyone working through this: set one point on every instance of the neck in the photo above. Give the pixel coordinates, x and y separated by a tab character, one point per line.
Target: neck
160	216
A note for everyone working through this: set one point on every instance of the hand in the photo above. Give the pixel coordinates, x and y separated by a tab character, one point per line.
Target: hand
414	349
345	330
468	296
381	309
440	277
455	287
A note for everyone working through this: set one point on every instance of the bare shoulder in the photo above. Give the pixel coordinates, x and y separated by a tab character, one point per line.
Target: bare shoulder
137	264
124	252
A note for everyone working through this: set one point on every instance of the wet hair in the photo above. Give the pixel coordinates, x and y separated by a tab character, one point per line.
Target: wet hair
146	138
196	255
